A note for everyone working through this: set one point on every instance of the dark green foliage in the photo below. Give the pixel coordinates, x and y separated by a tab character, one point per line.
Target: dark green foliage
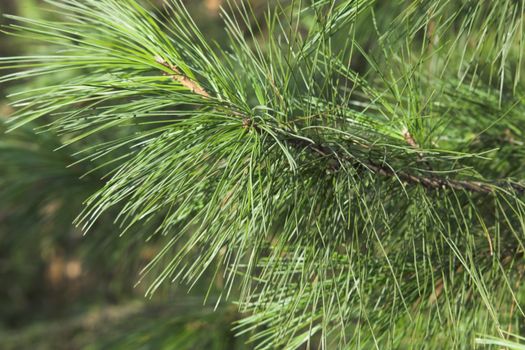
353	169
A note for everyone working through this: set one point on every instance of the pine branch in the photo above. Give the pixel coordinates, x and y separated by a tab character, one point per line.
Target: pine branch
429	182
206	161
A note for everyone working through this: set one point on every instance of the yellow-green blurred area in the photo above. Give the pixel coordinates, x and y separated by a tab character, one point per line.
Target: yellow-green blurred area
60	289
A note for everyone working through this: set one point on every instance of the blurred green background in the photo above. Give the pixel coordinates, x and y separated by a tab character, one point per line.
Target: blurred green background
60	289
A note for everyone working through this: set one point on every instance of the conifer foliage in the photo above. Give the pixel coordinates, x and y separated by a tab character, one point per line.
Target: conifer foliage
354	169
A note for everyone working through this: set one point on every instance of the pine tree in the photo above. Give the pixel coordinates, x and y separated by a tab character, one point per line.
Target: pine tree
353	169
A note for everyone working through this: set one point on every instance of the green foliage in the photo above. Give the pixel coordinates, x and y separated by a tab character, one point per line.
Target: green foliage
353	169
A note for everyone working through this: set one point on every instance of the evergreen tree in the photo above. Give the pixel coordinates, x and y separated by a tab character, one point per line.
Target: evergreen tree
352	169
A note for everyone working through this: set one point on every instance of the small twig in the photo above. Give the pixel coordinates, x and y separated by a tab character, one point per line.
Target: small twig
192	85
410	139
432	37
412	142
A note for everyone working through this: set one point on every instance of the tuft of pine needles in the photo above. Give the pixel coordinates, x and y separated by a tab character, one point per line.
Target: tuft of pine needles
354	169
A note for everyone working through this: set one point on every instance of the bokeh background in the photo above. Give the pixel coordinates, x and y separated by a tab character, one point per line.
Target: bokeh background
60	289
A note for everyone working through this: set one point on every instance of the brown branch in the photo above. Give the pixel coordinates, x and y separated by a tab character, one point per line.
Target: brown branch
433	182
429	182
